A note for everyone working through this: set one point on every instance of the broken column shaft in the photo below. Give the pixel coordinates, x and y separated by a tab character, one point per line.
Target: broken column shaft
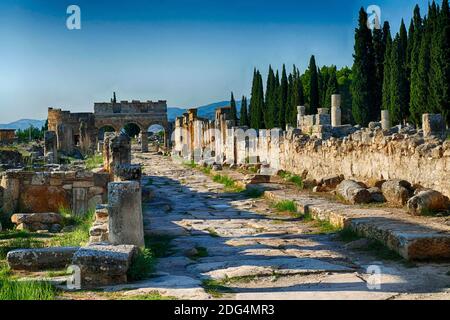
336	113
385	120
125	213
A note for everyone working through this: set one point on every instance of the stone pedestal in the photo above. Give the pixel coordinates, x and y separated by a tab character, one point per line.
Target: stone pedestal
125	213
144	141
433	125
385	120
50	146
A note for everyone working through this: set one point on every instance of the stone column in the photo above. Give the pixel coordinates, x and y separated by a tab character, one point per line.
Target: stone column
433	125
50	146
11	192
336	112
144	141
385	120
126	224
301	110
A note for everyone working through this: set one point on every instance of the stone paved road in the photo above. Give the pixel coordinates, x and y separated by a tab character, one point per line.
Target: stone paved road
260	253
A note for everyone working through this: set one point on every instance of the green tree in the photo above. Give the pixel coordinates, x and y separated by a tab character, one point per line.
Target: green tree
379	52
271	100
415	106
313	87
257	102
363	72
283	98
243	121
344	77
332	87
233	111
399	82
440	62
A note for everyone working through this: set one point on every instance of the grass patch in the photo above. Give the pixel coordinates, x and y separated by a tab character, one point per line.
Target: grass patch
23	290
19	243
324	226
159	245
142	265
347	235
153	296
229	184
292	178
94	161
80	235
212	232
382	252
190	164
215	288
206	170
286	206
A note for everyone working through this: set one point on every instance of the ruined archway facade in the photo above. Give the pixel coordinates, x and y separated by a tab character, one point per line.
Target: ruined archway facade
80	130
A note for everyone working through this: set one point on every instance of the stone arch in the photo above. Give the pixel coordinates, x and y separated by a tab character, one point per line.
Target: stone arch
103	129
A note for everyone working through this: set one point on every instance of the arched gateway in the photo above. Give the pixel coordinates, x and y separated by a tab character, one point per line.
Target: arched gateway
81	130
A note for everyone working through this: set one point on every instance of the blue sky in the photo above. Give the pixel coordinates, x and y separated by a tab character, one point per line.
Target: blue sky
187	52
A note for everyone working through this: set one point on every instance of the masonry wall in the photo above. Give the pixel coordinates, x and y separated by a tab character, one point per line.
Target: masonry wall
365	155
29	192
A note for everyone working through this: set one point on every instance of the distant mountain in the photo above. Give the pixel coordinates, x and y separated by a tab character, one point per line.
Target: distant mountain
23	124
206	111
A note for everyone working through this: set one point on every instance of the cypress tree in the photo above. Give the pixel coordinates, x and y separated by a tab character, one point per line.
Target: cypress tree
313	86
233	111
244	115
283	97
363	84
332	87
399	82
271	100
440	62
386	90
379	51
405	75
296	99
422	84
257	102
415	108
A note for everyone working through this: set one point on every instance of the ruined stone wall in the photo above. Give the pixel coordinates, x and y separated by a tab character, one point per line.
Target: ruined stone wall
30	192
73	130
7	136
421	157
158	108
368	155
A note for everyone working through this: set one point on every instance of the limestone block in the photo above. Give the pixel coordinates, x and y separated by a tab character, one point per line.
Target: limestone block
433	125
127	172
79	201
427	200
330	183
45	218
377	195
41	259
353	192
396	192
125	213
102	265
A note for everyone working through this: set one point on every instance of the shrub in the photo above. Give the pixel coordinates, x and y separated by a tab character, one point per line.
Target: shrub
286	206
142	265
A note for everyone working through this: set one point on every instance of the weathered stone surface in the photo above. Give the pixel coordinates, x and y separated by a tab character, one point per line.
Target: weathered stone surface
396	192
43	198
427	200
353	192
125	213
433	125
127	172
330	183
41	259
104	264
376	194
45	218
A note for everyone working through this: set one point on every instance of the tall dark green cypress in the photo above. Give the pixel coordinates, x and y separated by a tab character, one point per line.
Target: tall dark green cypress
296	98
399	82
283	98
415	106
440	62
271	100
233	111
243	121
257	102
363	84
379	51
386	88
313	86
332	87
